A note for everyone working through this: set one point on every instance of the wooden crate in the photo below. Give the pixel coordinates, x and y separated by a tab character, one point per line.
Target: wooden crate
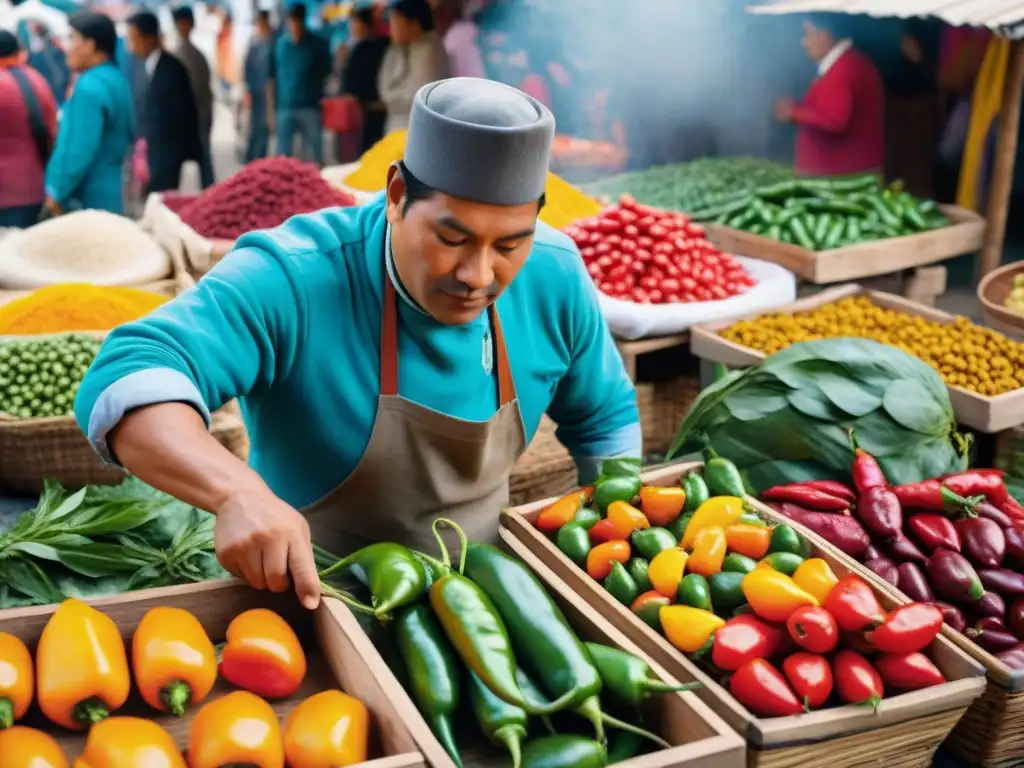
904	733
854	262
339	654
984	414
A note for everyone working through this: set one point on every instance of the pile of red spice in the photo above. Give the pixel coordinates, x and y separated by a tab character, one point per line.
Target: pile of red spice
263	194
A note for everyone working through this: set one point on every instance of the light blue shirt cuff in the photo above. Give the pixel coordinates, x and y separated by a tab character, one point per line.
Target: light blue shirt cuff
625	442
136	390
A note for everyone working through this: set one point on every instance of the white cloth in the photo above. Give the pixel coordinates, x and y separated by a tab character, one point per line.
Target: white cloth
833	56
151	61
404	70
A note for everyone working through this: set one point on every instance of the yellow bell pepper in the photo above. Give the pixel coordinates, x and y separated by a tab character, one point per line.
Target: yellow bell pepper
709	550
720	512
689	629
773	595
815	577
626	517
666	571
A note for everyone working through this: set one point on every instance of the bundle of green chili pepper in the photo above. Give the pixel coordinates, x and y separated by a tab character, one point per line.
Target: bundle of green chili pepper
489	628
822	214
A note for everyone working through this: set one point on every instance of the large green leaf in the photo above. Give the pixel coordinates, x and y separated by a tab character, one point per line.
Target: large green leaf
813	403
909	403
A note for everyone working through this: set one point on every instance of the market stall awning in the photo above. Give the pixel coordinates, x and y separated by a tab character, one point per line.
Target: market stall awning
1003	16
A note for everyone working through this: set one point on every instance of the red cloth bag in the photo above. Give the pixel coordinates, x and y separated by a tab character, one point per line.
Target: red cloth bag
341	114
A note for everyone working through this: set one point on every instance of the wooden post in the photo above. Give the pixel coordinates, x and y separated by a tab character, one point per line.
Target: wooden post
1005	156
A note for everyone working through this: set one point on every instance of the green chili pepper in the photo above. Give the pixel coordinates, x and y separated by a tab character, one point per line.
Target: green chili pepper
574	541
786	539
616	488
834	236
784	562
649	542
751	519
649	608
722	476
780	191
563	751
885	215
628	676
694	592
696	492
726	588
587	517
678	526
637	568
434	674
822	224
502	723
774	232
800	234
734	562
853	232
624	746
621	585
392	573
913	217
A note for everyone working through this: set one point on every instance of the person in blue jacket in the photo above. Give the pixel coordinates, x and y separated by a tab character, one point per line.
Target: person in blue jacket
49	60
392	360
96	125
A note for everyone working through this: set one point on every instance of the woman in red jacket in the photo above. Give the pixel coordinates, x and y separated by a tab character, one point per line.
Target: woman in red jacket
841	120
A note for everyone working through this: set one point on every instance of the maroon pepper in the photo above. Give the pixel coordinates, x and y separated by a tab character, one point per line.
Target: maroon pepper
866	471
991	604
984	543
903	549
952	577
1013	658
934	531
884	568
871	552
1013	509
930	496
993	513
991	624
992	641
978	482
1015	617
1004	581
805	496
880	511
952	615
842	531
913	584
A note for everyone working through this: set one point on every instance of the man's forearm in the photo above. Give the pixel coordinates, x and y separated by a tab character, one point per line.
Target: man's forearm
168	446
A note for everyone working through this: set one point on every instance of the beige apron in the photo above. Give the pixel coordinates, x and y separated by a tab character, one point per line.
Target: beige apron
421	464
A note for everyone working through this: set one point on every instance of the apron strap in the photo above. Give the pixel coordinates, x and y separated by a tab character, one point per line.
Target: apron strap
389	348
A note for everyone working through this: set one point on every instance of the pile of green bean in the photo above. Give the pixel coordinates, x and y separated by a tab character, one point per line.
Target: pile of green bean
39	377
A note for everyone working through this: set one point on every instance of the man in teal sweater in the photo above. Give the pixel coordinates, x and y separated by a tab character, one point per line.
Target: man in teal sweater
392	360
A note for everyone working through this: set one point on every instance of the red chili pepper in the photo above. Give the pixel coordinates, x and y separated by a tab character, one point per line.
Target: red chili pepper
935	531
908	629
759	687
880	512
854	605
857	682
842	490
810	498
606	530
811	677
908	671
1012	509
866	471
742	639
930	496
814	629
978	482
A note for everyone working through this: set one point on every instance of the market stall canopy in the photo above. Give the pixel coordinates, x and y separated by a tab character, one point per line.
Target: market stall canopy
1005	17
35	10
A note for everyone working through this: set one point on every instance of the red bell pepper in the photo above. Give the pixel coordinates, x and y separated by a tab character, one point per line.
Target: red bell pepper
935	531
854	605
811	677
908	629
759	687
814	629
857	682
908	671
742	639
866	471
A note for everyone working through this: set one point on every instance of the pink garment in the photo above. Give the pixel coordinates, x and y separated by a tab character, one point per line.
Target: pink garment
22	171
464	57
534	85
140	166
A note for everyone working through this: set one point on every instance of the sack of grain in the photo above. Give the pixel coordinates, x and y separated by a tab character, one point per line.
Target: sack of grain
81	247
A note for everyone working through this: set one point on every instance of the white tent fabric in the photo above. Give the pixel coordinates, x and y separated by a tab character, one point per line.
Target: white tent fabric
33	10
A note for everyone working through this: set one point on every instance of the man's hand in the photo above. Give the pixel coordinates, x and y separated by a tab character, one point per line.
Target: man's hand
52	207
784	110
261	539
911	49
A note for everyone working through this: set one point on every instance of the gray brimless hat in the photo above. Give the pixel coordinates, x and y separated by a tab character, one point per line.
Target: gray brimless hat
479	140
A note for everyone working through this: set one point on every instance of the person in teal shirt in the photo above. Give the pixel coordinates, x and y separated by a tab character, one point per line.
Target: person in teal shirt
392	361
96	124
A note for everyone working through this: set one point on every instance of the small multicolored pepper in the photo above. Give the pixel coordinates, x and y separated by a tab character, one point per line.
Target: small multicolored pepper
17	680
783	562
237	728
695	591
774	596
748	540
666	571
129	742
857	682
908	629
709	550
696	491
574	541
722	476
759	687
727	591
816	577
689	629
637	567
23	747
627	517
908	671
718	512
601	557
649	542
786	539
810	676
814	629
648	607
742	639
263	655
607	530
854	605
328	730
173	659
621	585
662	505
616	488
561	512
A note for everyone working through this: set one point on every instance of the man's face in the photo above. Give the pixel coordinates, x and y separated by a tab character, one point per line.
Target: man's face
79	51
184	27
816	42
138	44
295	28
456	256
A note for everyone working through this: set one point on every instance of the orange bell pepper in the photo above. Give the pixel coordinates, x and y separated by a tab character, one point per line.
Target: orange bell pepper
750	540
17	680
174	661
22	747
237	728
626	517
689	629
561	512
773	595
263	655
718	511
129	742
662	505
815	577
81	666
709	550
601	557
666	571
328	730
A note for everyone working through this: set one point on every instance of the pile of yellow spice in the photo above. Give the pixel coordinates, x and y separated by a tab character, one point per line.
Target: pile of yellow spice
75	307
967	355
563	205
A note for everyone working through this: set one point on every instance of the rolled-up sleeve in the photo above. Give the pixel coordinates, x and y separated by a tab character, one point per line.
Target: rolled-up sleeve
595	402
233	333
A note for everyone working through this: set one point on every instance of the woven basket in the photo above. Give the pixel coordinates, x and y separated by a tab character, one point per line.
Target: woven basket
545	469
662	406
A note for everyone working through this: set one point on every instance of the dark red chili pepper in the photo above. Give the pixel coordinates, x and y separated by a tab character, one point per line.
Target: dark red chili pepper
866	471
952	615
842	531
857	682
885	569
812	498
993	513
1004	581
842	490
984	543
912	582
1014	544
990	604
907	629
991	624
1013	509
934	531
929	496
978	482
871	553
952	577
908	671
1013	658
1015	617
993	642
880	511
903	549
